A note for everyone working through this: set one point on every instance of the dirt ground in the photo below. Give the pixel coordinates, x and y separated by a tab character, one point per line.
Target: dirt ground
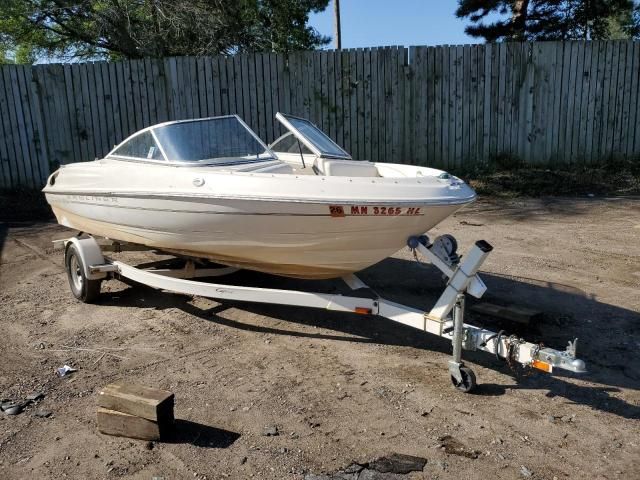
338	387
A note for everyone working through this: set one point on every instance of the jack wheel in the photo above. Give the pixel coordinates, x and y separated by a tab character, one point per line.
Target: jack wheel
84	289
468	382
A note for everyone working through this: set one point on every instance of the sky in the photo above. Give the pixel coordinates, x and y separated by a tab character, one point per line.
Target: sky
372	23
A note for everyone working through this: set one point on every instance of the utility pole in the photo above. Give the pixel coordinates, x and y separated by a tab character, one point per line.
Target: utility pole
336	24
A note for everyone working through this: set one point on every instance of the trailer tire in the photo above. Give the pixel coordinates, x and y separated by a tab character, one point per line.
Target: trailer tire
468	382
84	289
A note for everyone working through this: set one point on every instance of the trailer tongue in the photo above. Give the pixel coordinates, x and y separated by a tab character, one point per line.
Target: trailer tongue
87	268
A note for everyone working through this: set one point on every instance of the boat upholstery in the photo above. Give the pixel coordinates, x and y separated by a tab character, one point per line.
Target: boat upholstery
346	168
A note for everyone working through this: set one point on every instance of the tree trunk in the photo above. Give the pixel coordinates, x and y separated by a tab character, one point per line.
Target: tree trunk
519	19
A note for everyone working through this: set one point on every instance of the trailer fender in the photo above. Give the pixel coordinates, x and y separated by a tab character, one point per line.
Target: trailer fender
90	254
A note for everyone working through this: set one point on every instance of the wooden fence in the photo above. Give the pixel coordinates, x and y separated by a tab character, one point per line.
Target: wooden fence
541	103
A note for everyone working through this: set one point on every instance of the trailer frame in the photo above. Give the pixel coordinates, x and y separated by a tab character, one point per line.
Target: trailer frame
87	267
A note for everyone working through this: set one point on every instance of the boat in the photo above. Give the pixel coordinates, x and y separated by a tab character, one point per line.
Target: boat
211	189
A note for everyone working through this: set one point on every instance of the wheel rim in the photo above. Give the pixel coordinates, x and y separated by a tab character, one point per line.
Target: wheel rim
76	273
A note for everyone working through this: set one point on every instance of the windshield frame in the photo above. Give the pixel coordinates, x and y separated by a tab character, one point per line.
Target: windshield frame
284	119
267	155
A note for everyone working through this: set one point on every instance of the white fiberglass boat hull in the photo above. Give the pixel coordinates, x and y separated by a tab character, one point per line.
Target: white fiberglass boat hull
305	226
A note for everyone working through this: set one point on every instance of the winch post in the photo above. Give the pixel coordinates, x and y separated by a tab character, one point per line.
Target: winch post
461	278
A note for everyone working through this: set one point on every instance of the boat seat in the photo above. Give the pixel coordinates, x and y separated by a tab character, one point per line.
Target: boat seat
346	168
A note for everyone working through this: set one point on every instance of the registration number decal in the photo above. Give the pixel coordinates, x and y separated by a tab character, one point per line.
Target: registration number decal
362	210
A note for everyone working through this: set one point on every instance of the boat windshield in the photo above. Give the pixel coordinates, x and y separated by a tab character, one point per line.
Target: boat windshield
311	136
209	140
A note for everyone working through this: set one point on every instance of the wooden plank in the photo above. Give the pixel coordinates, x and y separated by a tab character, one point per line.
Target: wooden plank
136	106
159	91
480	96
563	149
502	101
361	90
211	86
586	105
345	125
201	106
495	100
489	53
446	107
257	80
407	81
516	121
466	105
44	94
7	149
110	137
633	147
146	402
237	85
418	57
171	82
624	99
121	424
429	119
547	116
381	104
353	104
128	106
248	91
114	103
553	108
78	153
397	66
5	143
388	103
281	71
232	83
31	108
270	92
99	124
600	51
315	82
324	90
375	119
578	52
15	152
39	132
539	60
18	120
459	79
221	99
610	99
329	91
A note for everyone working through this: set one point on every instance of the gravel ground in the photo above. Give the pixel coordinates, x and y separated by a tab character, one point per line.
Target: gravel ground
338	388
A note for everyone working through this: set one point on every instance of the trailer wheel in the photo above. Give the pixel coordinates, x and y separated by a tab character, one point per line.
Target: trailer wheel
84	289
468	382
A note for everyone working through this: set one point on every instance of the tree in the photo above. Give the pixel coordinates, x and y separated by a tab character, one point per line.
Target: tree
528	20
84	29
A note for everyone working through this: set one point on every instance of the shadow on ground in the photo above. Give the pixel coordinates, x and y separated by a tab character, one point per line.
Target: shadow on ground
200	435
606	346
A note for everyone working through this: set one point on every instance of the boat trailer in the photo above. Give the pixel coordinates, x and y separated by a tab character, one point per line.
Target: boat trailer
87	267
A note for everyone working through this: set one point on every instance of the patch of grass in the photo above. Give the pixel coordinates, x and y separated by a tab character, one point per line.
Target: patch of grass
22	205
616	178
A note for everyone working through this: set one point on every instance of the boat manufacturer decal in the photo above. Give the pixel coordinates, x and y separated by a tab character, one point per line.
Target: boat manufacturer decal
381	211
91	198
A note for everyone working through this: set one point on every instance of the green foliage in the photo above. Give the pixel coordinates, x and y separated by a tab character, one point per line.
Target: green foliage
84	29
529	20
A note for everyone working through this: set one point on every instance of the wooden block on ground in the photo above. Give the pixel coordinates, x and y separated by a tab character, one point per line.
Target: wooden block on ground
125	425
512	313
149	403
